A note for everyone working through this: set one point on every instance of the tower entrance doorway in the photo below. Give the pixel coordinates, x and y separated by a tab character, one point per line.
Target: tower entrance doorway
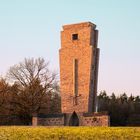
74	120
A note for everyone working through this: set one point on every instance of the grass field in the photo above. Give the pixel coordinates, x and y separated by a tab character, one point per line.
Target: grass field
69	133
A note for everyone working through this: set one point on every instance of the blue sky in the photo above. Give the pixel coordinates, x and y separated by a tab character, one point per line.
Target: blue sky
31	28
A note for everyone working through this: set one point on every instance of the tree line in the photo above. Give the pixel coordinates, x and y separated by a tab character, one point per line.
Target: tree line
123	110
30	88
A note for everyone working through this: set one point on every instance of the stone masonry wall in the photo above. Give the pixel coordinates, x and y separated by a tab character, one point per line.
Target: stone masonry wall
96	121
51	121
84	120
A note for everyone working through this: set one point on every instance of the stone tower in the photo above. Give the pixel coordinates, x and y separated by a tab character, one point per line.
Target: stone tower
79	57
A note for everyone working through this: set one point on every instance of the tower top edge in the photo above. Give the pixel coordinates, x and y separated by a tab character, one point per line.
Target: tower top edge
78	25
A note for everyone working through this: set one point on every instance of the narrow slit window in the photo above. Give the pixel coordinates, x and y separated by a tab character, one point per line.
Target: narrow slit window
75	81
74	36
75	76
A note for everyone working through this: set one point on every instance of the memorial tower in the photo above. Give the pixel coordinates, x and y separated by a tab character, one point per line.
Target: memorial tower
79	58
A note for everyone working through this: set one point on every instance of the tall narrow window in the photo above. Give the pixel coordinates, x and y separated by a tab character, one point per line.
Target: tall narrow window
75	77
74	36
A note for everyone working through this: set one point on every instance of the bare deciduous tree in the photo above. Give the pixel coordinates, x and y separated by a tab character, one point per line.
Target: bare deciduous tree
34	82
